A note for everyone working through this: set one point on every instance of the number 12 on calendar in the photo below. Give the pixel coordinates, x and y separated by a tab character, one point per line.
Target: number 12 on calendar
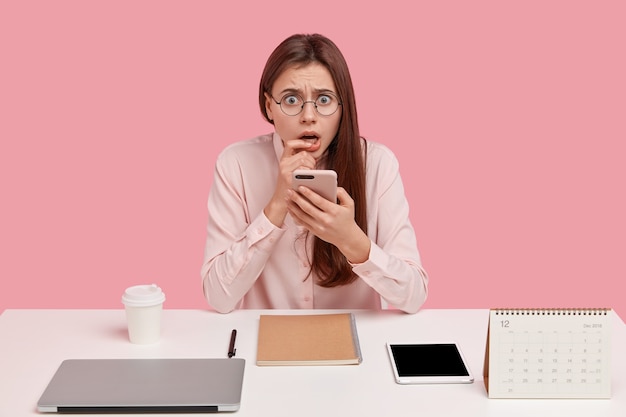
548	353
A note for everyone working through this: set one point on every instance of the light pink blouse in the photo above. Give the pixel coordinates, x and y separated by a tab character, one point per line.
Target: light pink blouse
251	263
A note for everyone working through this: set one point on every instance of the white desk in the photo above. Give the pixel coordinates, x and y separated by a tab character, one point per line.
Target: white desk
34	342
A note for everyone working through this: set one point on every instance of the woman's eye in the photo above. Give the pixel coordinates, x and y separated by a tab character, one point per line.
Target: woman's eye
291	100
324	100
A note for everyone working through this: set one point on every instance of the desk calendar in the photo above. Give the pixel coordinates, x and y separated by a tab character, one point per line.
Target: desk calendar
548	353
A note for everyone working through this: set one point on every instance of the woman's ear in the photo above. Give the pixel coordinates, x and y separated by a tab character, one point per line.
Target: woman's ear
268	107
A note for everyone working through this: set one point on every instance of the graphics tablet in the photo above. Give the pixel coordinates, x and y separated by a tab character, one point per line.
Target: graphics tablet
428	363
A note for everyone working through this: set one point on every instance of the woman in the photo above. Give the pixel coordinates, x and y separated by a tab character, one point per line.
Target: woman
269	246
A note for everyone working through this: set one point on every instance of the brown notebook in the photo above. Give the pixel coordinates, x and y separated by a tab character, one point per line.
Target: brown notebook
321	339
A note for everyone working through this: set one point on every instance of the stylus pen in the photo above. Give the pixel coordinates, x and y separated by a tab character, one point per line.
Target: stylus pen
231	347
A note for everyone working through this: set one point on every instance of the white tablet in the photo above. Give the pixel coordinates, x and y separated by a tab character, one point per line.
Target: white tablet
428	363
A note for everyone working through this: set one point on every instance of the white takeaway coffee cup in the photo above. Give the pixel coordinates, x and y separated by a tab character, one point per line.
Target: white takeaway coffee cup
143	304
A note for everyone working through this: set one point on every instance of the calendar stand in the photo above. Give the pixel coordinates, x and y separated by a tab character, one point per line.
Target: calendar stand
548	353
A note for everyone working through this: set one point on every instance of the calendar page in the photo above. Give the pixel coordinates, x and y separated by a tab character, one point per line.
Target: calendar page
548	353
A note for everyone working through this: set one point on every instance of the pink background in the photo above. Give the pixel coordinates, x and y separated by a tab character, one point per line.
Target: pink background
508	119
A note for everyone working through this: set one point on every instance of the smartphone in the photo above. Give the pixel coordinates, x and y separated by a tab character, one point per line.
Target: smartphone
429	363
322	181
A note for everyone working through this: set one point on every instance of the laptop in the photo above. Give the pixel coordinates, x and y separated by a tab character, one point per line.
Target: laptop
145	386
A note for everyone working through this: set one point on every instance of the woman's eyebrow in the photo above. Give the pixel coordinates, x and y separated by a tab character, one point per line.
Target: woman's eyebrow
324	90
291	90
301	92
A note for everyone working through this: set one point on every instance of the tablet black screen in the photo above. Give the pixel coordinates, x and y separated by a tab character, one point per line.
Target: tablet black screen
428	360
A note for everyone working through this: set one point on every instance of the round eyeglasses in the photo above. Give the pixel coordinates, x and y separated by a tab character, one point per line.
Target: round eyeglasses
326	104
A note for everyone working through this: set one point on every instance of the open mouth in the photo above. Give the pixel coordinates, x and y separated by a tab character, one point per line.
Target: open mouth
313	139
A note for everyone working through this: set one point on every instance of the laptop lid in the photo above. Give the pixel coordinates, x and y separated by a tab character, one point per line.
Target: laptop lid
144	386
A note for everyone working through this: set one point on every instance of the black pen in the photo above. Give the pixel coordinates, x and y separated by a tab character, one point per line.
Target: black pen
231	347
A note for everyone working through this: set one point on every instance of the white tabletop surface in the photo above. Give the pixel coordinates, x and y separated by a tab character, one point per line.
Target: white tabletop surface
33	343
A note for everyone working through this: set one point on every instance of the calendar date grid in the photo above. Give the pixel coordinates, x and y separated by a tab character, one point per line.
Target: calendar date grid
565	362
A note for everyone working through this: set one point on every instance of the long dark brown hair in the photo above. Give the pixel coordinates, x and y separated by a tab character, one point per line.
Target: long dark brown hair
345	154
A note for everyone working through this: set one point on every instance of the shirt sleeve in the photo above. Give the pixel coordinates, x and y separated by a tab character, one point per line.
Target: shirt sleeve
402	284
393	268
237	247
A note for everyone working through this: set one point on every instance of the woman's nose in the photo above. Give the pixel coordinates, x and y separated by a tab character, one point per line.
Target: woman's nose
308	112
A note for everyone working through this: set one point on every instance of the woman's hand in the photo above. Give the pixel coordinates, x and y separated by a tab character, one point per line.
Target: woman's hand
333	223
294	157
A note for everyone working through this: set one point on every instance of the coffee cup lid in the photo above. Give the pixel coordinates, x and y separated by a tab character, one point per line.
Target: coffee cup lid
143	296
